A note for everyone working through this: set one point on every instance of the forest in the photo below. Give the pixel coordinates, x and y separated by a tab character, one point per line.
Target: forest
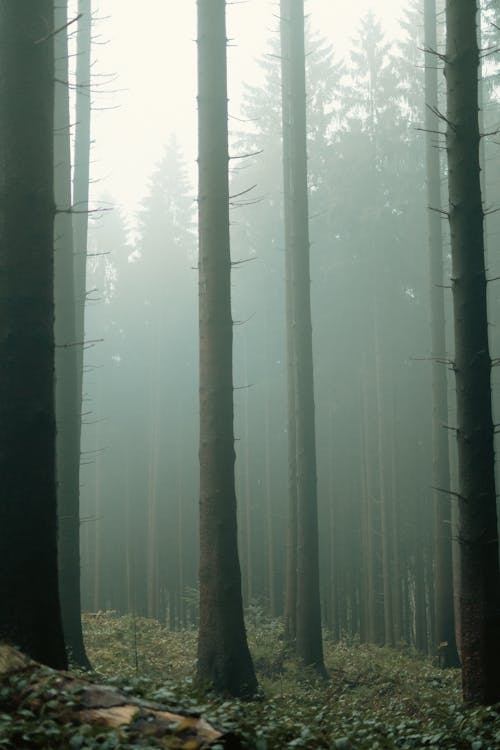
249	426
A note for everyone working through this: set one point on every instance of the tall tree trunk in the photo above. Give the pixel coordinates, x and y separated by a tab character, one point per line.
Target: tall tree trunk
67	394
98	599
30	614
308	638
372	542
81	168
443	581
271	574
419	562
395	521
247	492
385	515
333	556
480	581
81	157
224	660
291	535
369	562
153	558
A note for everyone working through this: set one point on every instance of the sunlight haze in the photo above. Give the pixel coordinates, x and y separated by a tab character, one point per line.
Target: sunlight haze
151	62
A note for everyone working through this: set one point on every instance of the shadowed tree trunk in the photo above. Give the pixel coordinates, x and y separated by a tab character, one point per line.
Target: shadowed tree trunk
480	583
308	629
81	156
30	614
443	581
224	660
67	393
81	159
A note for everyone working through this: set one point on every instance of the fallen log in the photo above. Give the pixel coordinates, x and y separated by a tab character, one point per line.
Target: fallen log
76	700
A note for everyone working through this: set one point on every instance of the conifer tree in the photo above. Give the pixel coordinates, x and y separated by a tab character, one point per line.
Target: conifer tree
478	535
30	614
308	608
224	660
443	585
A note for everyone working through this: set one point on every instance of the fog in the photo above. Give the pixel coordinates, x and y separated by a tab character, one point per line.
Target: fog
370	291
145	67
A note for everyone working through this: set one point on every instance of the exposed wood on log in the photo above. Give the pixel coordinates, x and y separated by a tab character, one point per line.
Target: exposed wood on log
85	702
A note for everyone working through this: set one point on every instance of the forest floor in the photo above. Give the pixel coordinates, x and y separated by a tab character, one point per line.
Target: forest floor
375	698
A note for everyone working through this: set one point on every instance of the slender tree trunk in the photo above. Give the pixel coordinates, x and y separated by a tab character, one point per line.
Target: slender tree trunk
291	536
385	515
129	541
30	615
153	563
180	517
308	638
81	168
370	565
421	642
248	526
224	660
396	563
68	405
333	582
443	581
480	581
271	574
80	226
98	598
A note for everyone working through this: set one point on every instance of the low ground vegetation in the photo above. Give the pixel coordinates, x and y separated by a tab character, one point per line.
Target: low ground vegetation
375	698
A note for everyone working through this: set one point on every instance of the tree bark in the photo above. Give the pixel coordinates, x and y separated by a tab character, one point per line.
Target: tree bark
480	582
291	538
308	637
81	157
68	403
385	515
30	614
224	660
81	162
444	635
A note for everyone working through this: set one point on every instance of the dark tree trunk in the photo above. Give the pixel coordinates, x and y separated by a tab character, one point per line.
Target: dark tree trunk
30	613
443	581
81	158
480	584
224	660
67	382
308	637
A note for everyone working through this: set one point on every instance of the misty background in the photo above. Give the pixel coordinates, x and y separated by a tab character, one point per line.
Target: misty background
370	303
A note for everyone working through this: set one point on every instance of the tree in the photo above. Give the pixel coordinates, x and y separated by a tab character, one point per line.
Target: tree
68	403
308	623
30	613
224	660
478	536
81	193
443	587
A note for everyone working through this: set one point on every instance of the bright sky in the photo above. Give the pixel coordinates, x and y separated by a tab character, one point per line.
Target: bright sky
152	54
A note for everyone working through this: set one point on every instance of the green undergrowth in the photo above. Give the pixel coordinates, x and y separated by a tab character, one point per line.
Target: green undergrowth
374	699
